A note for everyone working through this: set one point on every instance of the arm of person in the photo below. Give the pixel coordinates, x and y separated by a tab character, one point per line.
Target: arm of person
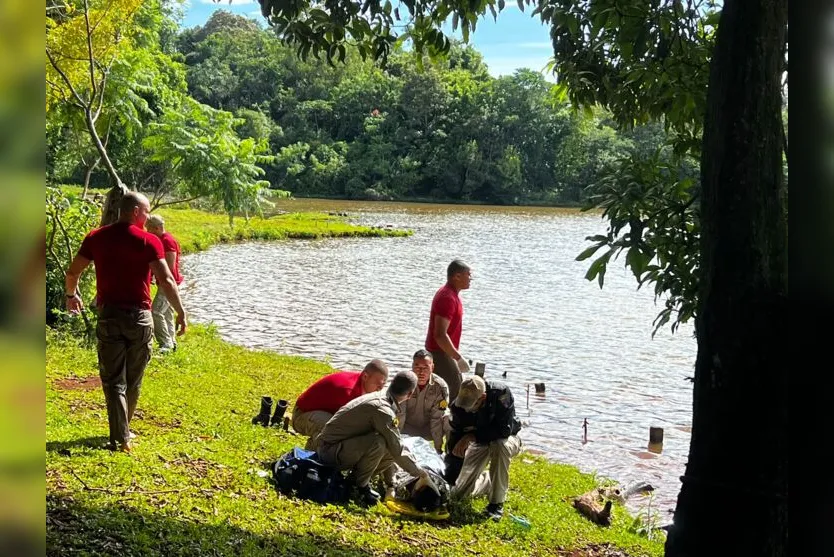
171	259
501	425
165	281
79	263
385	425
441	337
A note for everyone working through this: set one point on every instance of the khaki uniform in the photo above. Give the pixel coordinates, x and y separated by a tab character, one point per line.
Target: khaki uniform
426	414
310	424
363	436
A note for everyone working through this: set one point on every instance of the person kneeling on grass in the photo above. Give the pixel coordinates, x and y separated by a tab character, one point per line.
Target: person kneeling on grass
363	437
484	431
323	398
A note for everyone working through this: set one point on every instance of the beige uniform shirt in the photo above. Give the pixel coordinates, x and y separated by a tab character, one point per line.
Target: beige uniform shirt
426	413
373	412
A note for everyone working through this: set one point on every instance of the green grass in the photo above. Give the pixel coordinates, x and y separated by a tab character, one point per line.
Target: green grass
197	230
191	485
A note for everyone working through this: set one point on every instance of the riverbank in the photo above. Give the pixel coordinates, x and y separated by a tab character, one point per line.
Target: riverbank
194	484
197	230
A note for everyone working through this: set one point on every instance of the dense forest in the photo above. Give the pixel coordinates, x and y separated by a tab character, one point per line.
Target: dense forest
225	109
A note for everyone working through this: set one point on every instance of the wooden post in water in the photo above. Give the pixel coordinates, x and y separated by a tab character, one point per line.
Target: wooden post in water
584	431
528	396
480	367
539	388
655	435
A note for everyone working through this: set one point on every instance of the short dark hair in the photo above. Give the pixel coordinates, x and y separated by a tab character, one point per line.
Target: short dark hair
130	200
422	354
376	366
455	267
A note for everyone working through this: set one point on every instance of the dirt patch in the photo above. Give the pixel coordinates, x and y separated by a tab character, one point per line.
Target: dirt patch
79	383
597	550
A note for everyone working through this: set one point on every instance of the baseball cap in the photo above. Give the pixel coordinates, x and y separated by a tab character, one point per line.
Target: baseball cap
471	390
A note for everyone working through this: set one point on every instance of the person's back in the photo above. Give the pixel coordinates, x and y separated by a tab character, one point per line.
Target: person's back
170	244
122	254
331	392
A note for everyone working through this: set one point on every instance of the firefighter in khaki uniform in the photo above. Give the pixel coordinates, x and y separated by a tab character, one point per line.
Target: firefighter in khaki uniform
363	437
426	414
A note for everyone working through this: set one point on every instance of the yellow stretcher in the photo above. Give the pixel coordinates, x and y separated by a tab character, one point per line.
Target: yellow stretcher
408	509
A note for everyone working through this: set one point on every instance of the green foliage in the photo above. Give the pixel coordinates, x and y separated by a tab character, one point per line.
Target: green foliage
69	218
194	482
206	157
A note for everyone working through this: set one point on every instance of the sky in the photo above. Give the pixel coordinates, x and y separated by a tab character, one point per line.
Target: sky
515	41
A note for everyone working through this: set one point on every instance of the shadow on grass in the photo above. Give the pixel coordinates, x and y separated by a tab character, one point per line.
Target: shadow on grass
63	447
73	528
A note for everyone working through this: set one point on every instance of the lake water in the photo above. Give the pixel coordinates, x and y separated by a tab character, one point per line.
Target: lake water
529	313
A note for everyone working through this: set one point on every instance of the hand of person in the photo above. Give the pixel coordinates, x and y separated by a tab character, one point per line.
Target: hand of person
461	446
181	324
424	480
463	365
74	304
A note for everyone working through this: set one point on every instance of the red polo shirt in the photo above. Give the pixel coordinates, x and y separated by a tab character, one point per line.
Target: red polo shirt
169	243
331	392
122	254
446	303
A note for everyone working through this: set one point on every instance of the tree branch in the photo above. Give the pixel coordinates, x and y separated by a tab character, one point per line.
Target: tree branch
158	205
90	50
66	79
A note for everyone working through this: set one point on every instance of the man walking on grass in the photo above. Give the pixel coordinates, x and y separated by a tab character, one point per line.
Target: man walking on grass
124	256
445	325
163	311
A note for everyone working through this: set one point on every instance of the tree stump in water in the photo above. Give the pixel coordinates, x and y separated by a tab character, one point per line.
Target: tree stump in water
594	506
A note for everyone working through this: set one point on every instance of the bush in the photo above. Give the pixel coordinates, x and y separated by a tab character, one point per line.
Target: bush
69	217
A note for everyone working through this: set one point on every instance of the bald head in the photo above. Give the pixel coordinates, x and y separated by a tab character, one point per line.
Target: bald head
374	376
134	208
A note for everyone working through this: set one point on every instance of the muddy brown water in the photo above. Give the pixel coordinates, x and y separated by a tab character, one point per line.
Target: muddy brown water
530	313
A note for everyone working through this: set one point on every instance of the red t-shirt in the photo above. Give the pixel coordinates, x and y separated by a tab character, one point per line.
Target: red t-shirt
169	243
122	254
446	303
331	392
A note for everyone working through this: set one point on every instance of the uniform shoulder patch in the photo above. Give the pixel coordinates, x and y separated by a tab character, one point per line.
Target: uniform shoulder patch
396	422
443	404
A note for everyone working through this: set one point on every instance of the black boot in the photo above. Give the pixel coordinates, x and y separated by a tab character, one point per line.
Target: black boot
366	496
266	409
280	408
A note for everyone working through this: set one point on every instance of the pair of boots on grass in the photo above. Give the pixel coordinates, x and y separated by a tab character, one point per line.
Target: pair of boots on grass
263	417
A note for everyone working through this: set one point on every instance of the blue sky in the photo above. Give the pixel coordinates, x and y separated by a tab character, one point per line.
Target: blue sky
515	41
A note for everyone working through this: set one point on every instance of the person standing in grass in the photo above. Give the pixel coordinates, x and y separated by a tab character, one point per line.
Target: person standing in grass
445	325
124	256
163	311
322	399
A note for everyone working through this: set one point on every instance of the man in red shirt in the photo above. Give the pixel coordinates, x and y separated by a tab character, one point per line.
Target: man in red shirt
445	325
163	311
124	256
323	398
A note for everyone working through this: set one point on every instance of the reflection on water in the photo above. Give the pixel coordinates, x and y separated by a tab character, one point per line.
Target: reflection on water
530	316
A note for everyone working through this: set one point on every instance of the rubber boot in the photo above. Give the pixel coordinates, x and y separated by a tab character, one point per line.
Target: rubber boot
266	408
280	408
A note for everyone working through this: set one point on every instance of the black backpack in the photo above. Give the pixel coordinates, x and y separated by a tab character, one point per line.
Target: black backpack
301	473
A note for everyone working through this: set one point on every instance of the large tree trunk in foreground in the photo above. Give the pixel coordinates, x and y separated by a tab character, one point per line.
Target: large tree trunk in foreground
739	431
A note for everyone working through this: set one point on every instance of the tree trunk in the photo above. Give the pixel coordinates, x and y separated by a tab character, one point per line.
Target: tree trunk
739	430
